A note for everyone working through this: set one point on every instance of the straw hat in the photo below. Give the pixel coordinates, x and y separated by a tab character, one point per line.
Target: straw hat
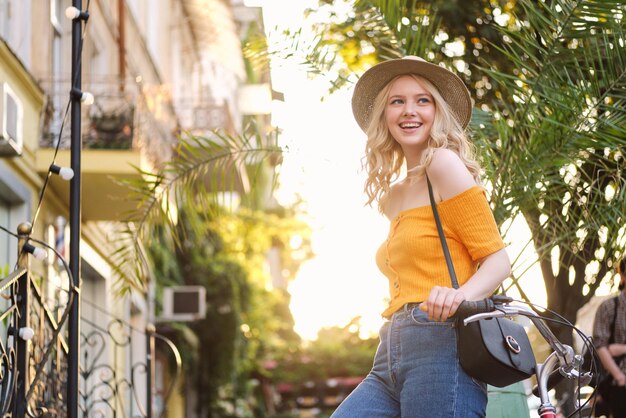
450	86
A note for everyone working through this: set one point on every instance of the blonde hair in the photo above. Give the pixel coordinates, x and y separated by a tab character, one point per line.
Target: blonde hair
384	158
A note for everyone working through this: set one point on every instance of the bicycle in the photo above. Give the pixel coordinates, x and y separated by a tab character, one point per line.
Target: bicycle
562	362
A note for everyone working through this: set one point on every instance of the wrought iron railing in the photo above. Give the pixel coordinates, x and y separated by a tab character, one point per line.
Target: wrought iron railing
125	115
117	360
47	357
113	377
8	343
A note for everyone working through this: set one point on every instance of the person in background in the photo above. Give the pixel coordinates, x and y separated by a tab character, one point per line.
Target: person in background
609	338
414	114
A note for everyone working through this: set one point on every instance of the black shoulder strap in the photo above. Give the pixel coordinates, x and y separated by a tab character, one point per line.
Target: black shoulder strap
442	237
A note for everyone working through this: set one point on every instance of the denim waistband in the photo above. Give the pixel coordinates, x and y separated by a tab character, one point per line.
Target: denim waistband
406	309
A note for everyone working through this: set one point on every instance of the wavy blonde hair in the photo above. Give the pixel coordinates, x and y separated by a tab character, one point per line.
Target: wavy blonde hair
384	158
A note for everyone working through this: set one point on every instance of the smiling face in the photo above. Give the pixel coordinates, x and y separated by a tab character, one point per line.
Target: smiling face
409	114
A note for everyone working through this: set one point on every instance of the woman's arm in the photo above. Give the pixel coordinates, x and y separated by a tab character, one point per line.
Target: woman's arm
492	270
617	350
611	366
443	302
450	177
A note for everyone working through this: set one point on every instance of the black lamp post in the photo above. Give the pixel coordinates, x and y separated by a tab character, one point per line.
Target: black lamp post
75	212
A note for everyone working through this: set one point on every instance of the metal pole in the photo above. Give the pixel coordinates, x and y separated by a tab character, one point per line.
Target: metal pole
75	220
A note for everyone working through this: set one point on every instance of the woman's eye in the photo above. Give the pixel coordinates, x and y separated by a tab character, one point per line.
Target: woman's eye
396	101
423	100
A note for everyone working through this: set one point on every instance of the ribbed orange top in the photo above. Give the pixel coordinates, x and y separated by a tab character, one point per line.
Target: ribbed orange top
412	257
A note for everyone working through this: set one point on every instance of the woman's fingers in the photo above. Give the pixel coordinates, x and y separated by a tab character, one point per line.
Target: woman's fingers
442	303
435	303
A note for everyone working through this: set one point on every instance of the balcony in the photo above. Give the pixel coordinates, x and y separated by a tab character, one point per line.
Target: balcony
119	135
123	131
111	130
103	198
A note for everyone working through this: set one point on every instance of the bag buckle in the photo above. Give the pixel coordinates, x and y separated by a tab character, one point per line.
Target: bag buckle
513	345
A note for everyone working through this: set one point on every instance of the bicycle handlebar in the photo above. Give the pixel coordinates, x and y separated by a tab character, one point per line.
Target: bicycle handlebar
468	308
554	379
472	307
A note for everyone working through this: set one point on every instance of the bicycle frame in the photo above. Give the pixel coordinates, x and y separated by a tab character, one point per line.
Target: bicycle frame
562	356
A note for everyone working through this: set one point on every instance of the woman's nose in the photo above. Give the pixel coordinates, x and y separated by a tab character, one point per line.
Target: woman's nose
409	109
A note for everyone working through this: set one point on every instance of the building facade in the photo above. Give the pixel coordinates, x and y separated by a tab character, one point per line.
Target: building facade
156	68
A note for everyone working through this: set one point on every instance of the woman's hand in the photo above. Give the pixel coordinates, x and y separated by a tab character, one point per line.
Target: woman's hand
620	378
442	303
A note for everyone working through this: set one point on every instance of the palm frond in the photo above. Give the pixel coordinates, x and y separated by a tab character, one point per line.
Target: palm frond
310	52
204	170
379	30
557	152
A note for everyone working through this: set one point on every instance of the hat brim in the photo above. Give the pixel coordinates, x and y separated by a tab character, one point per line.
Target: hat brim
449	85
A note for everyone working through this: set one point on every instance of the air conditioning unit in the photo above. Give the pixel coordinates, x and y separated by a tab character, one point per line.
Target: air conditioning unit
183	303
11	114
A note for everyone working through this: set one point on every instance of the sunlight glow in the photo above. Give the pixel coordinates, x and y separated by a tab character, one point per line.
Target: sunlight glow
322	166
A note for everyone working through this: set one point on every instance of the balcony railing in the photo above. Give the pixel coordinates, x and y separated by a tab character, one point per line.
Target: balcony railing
111	130
131	116
124	116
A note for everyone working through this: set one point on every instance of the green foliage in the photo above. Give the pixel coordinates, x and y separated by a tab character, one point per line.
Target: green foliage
305	371
195	232
337	352
248	235
204	169
245	323
377	30
555	153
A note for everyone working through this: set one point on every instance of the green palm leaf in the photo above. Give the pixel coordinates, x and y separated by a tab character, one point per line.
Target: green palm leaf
379	30
207	172
555	155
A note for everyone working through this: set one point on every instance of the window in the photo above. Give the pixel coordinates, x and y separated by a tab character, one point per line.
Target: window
14	204
5	15
15	15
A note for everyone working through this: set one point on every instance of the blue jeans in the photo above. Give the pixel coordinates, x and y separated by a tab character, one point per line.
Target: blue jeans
416	374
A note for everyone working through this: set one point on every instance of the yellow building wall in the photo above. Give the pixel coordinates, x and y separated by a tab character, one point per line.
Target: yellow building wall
30	95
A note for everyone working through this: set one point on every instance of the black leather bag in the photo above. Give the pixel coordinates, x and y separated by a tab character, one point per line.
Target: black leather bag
495	351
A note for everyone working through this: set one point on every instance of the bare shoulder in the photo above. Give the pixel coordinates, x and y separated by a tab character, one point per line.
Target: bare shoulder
449	174
391	203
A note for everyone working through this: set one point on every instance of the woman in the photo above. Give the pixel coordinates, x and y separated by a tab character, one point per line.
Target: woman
414	113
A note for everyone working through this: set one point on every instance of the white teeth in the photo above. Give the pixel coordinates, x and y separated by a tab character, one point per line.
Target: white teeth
410	125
